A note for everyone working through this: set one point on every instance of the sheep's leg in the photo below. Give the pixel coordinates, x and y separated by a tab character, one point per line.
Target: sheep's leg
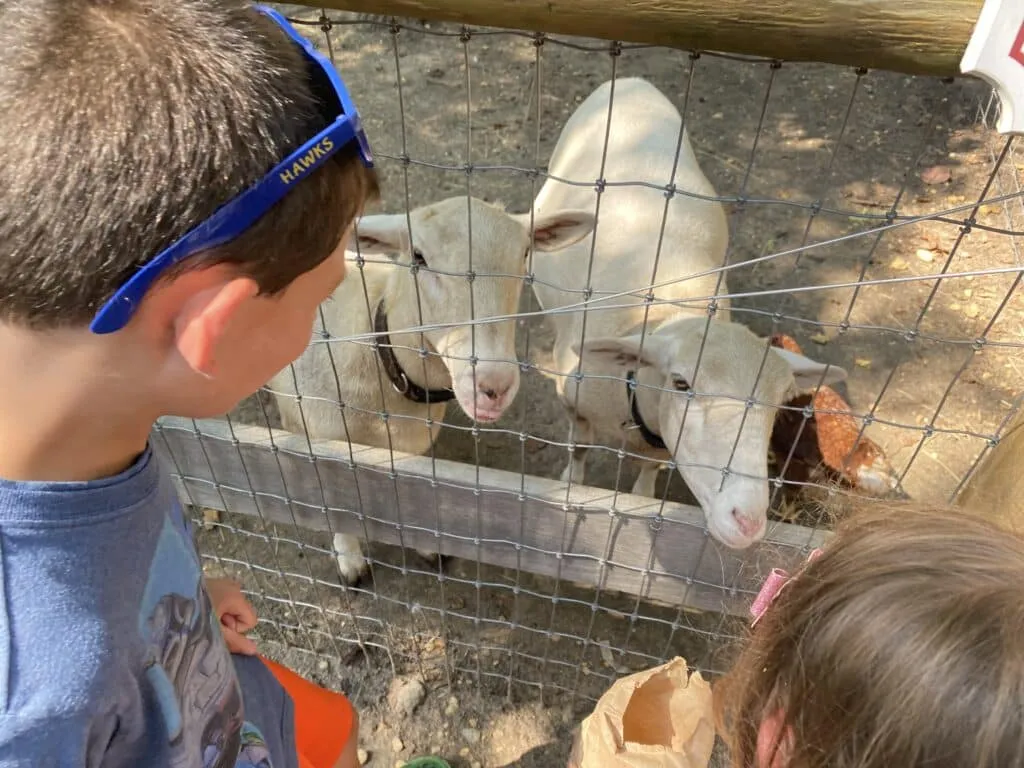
349	554
645	482
291	418
575	466
584	433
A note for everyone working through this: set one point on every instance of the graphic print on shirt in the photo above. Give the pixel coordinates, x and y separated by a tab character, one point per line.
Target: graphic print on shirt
187	662
254	753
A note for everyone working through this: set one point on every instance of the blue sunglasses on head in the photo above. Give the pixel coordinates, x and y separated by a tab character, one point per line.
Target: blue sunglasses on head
237	215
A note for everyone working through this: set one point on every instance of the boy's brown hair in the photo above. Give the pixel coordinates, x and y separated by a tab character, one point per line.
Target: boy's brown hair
902	645
126	123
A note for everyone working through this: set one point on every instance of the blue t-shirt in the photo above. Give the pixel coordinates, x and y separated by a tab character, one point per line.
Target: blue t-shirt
110	654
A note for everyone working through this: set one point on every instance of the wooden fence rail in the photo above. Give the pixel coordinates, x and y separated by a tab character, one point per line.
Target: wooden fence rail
501	518
925	37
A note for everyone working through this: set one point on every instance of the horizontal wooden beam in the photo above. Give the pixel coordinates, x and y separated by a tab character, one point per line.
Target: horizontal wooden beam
912	36
498	517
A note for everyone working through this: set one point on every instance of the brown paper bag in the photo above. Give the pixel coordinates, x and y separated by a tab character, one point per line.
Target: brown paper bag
657	718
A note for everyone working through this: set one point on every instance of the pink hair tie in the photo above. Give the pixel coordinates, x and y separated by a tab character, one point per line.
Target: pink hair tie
777	580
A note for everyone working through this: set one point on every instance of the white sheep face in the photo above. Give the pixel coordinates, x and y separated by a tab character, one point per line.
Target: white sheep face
704	417
480	358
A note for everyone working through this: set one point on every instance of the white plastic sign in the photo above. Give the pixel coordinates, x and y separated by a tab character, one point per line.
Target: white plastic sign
995	53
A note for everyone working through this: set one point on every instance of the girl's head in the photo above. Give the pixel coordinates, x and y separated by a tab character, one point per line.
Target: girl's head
901	645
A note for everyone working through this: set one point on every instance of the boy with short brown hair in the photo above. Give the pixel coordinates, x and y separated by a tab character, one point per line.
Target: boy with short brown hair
178	179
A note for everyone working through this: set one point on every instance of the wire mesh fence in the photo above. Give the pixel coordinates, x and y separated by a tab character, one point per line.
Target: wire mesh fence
875	223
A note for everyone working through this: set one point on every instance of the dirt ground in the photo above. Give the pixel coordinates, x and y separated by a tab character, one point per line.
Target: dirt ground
509	672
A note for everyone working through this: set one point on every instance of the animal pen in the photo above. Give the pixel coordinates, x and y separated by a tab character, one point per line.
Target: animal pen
875	218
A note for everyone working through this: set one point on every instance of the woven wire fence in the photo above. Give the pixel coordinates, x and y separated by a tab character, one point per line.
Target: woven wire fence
875	219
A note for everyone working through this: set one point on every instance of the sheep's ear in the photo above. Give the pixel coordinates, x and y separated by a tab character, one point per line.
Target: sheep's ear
558	230
381	234
625	352
808	373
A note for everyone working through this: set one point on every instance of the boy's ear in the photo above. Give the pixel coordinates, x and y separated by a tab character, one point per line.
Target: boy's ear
202	319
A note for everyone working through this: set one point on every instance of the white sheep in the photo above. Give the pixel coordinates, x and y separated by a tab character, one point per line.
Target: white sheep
383	296
643	138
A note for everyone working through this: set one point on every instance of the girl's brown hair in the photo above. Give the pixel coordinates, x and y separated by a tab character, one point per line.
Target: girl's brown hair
902	646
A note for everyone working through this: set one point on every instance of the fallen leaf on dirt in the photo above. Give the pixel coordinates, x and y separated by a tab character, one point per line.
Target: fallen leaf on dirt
937	174
210	519
988	210
899	264
973	310
609	659
862	362
925	255
820	338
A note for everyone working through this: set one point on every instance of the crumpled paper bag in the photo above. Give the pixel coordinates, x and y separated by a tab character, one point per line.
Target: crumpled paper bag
658	718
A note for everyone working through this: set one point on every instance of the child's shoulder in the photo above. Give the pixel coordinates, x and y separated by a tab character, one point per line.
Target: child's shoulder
101	583
54	503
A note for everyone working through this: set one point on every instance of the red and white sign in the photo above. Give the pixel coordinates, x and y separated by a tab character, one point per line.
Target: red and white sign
995	53
1017	49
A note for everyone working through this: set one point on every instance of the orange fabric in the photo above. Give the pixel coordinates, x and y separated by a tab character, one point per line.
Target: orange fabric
323	719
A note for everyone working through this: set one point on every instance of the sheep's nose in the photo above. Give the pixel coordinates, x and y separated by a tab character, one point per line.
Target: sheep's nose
492	392
749	526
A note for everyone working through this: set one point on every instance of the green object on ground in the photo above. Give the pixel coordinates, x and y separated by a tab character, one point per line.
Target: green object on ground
427	762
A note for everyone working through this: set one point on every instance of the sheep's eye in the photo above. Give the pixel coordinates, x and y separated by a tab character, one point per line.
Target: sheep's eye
680	384
417	258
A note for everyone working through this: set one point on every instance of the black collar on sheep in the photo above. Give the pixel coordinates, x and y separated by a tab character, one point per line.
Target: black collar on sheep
399	379
649	437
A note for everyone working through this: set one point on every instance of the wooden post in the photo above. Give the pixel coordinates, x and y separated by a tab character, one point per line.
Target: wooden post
926	37
996	53
997	486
